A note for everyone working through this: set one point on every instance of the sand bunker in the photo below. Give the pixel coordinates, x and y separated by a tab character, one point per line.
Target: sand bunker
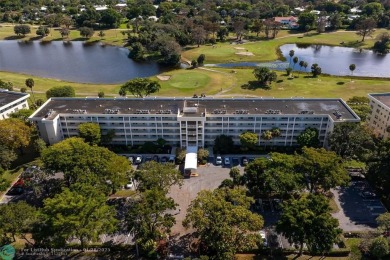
163	78
239	48
245	53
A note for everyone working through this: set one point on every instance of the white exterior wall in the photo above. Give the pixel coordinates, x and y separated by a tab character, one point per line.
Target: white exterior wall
14	106
379	118
186	131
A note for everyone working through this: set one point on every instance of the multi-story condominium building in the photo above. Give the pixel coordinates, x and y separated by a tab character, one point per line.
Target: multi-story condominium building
379	118
188	122
11	102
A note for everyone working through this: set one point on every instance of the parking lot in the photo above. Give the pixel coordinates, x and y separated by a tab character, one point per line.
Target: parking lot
359	207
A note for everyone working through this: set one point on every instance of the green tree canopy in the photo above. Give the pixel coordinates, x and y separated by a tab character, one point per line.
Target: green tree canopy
22	29
17	219
264	75
360	106
79	212
90	132
93	165
322	168
153	175
223	144
86	32
22	114
384	222
309	138
249	140
274	176
61	91
351	141
379	247
7	156
14	133
149	218
224	222
141	87
308	220
379	165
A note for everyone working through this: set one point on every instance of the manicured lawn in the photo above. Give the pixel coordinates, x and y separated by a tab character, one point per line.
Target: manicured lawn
306	86
333	206
266	50
193	81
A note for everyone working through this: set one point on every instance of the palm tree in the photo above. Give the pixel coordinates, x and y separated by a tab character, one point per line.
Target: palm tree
266	135
291	54
305	64
30	84
275	132
301	63
295	60
352	67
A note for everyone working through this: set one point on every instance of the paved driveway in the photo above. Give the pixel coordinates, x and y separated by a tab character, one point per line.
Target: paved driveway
210	177
356	213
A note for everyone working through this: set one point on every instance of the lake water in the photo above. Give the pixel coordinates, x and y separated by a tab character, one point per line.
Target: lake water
332	60
73	61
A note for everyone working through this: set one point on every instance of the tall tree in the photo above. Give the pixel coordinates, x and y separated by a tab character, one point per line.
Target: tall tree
199	35
224	222
149	219
352	140
352	67
14	133
308	220
159	176
322	168
83	163
90	132
223	144
378	171
248	140
30	84
316	70
365	27
141	87
291	54
17	219
309	138
80	212
264	75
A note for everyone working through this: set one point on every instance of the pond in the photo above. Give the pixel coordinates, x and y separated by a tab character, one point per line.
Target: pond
73	61
332	60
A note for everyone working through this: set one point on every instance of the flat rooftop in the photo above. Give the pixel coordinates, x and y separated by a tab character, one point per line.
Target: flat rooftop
382	97
336	108
7	97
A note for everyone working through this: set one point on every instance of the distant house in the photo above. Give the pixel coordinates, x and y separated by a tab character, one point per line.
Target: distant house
355	10
290	22
100	7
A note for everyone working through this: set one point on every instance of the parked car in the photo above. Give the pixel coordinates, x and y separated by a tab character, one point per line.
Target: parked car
244	161
164	159
138	160
131	159
129	185
263	237
368	195
156	158
235	161
227	161
218	160
171	159
15	190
